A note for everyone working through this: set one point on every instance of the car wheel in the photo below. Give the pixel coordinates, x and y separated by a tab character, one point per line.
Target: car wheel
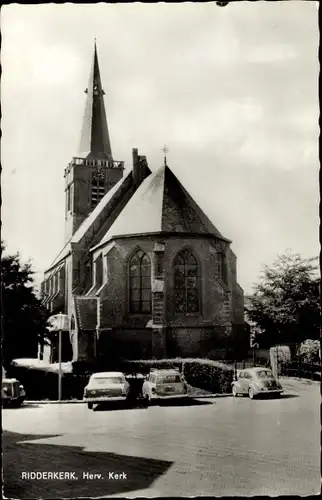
90	406
128	403
251	393
17	403
235	393
146	401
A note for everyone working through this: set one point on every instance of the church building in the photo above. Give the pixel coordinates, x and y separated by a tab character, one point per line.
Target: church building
143	273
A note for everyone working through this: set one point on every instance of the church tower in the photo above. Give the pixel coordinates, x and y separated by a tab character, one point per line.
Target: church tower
93	172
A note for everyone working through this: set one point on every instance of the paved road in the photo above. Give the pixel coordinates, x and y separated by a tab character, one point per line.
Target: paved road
229	446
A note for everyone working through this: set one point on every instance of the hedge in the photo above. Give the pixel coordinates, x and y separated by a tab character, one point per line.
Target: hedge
205	374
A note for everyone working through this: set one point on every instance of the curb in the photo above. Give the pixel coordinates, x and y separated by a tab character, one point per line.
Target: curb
80	401
63	402
211	396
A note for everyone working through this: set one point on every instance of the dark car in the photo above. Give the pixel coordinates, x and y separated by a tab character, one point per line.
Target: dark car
12	392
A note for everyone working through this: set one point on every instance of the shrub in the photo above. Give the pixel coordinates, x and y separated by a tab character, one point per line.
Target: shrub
308	351
209	375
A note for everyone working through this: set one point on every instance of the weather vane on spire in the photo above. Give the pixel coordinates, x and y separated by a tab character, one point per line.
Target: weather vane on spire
165	150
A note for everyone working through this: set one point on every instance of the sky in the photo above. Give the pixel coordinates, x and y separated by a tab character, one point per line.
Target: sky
232	91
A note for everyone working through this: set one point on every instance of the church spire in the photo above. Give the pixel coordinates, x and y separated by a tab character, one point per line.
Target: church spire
95	140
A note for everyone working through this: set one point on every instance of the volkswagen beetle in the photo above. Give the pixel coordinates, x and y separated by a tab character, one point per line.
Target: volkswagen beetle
256	381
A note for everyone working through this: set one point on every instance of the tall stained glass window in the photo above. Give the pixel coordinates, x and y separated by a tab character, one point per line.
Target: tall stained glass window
186	283
140	283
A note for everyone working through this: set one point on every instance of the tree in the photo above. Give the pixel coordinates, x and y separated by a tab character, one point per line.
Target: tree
285	306
24	319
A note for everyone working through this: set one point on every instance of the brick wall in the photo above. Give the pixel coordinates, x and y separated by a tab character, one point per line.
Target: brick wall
128	343
186	330
180	335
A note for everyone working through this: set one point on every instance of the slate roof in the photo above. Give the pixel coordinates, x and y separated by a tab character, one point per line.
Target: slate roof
86	312
62	254
161	204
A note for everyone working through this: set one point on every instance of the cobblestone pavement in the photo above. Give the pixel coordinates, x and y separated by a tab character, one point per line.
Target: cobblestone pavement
224	446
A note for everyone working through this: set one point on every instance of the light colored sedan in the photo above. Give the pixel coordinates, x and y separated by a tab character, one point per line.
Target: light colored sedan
164	384
256	381
104	387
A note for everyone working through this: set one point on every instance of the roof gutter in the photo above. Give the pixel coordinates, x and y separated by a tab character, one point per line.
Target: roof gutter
163	234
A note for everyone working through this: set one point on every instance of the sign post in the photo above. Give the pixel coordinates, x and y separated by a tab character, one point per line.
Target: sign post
59	368
59	322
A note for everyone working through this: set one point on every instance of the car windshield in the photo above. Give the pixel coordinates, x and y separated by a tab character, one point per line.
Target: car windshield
169	379
107	380
264	374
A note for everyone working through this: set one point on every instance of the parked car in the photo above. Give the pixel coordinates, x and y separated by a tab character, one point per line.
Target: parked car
12	392
104	387
256	381
164	384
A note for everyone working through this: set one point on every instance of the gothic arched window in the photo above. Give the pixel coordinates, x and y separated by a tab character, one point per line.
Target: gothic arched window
140	283
186	283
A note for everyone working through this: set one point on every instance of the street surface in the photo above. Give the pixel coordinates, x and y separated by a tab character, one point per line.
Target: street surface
223	446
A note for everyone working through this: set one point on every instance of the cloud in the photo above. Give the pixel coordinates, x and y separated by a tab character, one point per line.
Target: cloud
233	92
271	53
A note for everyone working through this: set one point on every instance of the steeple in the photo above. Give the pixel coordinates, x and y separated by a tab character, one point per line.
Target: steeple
95	140
93	172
